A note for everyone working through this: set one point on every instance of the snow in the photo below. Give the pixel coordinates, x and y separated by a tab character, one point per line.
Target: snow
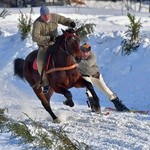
127	76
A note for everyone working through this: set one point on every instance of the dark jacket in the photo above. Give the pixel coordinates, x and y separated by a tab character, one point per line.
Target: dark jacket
42	30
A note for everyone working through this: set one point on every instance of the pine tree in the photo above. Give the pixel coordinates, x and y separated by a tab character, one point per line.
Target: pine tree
131	42
24	25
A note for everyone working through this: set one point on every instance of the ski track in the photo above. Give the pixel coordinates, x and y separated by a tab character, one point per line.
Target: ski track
121	131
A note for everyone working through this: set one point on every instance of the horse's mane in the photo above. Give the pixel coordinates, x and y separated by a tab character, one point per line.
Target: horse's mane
52	48
59	51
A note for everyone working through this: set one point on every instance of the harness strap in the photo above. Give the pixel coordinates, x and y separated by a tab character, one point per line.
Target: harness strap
62	68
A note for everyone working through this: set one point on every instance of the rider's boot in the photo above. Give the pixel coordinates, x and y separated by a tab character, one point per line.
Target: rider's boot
119	105
44	83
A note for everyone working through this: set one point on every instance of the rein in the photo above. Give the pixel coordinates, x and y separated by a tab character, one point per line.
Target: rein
63	68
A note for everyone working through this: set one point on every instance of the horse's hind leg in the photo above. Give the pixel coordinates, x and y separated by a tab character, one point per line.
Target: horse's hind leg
95	103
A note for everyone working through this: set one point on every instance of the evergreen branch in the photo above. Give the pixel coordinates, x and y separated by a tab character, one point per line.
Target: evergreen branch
4	13
131	42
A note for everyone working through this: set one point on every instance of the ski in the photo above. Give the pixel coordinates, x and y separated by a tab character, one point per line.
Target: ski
145	112
105	113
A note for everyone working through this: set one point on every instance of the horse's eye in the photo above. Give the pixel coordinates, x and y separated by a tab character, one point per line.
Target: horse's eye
73	39
70	39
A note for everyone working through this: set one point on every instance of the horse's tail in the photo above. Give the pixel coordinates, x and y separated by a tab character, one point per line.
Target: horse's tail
18	67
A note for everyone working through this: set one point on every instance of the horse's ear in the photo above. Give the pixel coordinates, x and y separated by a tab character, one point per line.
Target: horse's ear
63	30
71	31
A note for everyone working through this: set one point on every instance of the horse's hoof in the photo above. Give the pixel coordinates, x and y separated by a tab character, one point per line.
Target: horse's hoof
69	103
57	120
97	110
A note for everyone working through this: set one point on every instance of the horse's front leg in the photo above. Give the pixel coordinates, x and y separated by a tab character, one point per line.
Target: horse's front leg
95	106
68	95
45	102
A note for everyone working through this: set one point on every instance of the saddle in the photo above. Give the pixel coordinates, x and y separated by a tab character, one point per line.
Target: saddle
35	67
46	61
35	63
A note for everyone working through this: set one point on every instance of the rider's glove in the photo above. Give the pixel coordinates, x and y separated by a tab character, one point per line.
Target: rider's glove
72	24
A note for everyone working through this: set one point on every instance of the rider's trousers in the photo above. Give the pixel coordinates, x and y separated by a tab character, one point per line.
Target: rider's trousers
40	65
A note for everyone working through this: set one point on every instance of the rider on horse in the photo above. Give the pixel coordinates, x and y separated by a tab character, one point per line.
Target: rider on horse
44	33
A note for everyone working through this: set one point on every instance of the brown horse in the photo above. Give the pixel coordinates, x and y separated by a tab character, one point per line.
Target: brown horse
62	72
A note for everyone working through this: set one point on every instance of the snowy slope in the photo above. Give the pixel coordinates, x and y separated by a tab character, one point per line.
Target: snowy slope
127	76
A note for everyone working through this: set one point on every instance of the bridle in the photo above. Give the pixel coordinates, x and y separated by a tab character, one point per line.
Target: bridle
65	49
68	53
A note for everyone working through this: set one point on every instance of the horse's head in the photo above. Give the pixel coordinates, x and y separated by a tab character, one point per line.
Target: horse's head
72	45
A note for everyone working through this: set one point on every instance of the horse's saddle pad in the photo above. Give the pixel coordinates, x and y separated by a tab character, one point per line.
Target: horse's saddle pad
35	64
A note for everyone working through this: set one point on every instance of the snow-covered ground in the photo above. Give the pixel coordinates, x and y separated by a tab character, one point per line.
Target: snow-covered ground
127	76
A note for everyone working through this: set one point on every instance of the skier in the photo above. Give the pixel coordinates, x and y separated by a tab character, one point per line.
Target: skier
90	72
